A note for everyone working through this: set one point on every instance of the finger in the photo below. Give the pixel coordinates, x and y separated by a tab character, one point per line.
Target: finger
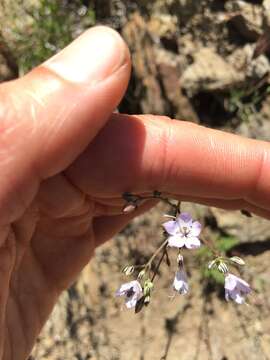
153	153
58	198
49	116
236	204
105	227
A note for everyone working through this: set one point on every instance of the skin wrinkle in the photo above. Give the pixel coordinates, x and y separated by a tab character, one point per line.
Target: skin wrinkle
18	312
208	145
36	99
59	119
263	159
166	139
223	153
60	204
17	294
78	225
161	137
62	115
8	254
84	196
18	124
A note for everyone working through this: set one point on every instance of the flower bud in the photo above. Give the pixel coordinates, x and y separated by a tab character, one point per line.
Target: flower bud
128	270
237	260
180	260
141	274
148	287
139	305
147	300
223	268
211	264
246	213
129	208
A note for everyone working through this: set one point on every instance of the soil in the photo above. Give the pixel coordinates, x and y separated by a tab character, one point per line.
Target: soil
201	61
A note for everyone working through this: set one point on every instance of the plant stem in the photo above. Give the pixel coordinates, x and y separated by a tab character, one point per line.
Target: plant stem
129	197
158	265
149	263
211	246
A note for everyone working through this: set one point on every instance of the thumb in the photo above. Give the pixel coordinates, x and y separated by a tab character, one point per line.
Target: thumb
50	115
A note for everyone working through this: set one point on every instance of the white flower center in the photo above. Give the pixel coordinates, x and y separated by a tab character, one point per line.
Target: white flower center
185	230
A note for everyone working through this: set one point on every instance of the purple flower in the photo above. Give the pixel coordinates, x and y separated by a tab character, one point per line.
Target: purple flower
132	291
180	281
236	289
183	231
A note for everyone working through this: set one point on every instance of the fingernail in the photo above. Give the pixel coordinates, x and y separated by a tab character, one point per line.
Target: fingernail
91	58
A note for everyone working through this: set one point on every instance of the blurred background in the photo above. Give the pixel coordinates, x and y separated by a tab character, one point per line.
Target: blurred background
203	61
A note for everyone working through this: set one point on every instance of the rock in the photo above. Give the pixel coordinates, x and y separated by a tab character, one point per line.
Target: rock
78	329
242	59
156	69
210	72
243	228
169	72
163	25
266	13
259	127
247	18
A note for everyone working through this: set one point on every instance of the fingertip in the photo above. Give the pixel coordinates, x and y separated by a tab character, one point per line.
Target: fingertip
94	56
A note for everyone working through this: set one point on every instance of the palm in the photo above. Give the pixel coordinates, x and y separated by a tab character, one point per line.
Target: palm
45	250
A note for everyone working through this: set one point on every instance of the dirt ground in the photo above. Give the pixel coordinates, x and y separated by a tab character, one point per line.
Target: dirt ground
203	61
90	323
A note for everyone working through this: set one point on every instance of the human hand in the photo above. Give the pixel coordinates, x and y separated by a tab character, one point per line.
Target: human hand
66	161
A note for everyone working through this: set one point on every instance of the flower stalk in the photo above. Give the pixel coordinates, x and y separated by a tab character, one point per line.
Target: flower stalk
180	231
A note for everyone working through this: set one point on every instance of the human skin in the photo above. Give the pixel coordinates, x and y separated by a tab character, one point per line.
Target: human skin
66	160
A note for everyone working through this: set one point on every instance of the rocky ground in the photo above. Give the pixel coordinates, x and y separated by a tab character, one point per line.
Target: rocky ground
204	61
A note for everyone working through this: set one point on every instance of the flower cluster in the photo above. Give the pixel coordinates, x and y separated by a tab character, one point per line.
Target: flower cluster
181	231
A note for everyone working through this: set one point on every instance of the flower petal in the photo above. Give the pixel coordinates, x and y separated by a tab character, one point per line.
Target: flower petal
131	302
192	242
184	219
135	285
239	299
236	296
171	227
196	229
227	295
123	289
243	286
180	282
230	282
176	241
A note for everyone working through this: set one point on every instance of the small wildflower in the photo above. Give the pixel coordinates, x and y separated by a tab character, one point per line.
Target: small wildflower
183	231
180	283
132	291
236	288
